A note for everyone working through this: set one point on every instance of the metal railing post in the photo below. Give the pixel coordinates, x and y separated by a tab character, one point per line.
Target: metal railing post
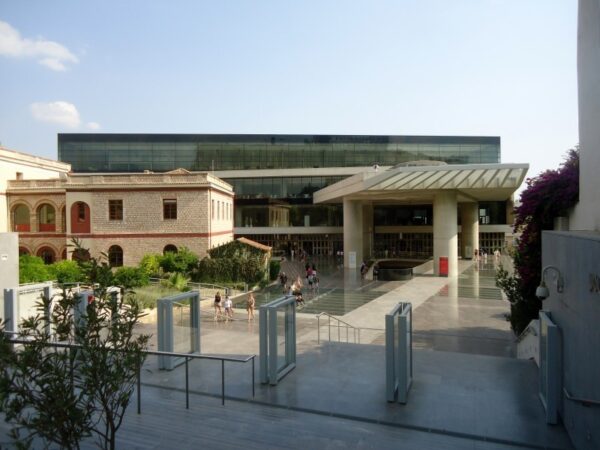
318	329
71	369
187	384
139	388
223	382
71	349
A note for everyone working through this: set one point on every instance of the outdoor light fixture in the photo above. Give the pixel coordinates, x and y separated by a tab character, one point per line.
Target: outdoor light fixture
542	291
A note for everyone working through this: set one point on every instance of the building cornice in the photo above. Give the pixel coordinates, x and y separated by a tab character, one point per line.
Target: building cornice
16	157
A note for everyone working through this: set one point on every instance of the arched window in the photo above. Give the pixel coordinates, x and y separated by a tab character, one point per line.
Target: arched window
169	249
64	254
21	218
47	254
80	218
115	256
23	251
46	218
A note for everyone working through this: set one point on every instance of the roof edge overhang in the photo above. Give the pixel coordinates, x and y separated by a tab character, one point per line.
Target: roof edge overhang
474	182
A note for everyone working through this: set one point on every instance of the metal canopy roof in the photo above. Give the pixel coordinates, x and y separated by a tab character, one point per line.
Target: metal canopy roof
472	182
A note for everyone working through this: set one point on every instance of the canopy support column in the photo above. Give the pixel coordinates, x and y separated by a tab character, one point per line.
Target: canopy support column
445	230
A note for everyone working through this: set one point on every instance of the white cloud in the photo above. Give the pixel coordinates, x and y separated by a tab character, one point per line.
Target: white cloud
62	113
48	53
93	125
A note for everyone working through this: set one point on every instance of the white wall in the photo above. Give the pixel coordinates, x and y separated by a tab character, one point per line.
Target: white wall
586	215
576	311
9	264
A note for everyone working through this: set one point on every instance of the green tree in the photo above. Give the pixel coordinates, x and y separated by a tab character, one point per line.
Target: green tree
64	395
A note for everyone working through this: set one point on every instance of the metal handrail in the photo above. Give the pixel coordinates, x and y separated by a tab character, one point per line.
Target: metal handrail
339	321
583	401
200	285
187	357
532	328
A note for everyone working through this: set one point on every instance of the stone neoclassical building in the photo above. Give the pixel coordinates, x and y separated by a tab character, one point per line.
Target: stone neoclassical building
122	215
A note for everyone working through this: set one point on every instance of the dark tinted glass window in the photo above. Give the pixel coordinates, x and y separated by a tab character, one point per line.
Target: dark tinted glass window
169	209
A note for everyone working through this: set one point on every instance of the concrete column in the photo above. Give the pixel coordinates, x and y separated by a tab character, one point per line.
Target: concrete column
469	219
353	233
367	230
445	230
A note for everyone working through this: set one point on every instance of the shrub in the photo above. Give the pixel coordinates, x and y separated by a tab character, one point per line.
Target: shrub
32	269
131	277
232	269
178	281
150	264
274	269
184	261
549	195
66	271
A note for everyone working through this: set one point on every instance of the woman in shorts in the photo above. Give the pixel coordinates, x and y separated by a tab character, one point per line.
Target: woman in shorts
217	305
250	303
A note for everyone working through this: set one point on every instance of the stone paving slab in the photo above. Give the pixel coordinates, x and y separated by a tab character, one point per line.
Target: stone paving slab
475	396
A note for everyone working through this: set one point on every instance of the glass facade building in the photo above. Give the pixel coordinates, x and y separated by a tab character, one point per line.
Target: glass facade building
274	201
201	152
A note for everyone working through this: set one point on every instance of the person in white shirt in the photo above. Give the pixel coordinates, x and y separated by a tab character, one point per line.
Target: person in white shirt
228	307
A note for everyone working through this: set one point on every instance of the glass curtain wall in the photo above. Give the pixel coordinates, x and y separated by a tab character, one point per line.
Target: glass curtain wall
159	153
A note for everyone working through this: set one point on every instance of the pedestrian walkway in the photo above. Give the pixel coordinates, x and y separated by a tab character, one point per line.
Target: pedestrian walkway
468	389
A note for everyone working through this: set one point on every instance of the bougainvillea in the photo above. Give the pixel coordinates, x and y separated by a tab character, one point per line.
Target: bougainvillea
549	195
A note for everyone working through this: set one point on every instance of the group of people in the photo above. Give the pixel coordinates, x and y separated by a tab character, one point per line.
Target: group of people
364	270
311	277
294	289
228	305
483	255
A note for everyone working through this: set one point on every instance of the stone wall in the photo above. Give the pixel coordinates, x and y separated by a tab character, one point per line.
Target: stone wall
134	248
143	228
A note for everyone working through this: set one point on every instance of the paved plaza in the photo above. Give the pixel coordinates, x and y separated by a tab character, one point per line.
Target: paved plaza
469	390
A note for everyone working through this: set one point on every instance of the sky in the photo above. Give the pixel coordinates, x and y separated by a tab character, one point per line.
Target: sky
405	67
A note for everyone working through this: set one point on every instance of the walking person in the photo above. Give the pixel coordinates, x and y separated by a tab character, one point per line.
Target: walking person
282	280
250	303
363	270
228	307
315	279
217	305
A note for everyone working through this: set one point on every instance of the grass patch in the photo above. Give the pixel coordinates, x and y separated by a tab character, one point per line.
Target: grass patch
148	295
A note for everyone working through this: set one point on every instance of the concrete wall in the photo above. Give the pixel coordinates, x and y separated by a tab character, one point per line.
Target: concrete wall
9	264
221	223
577	312
586	215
